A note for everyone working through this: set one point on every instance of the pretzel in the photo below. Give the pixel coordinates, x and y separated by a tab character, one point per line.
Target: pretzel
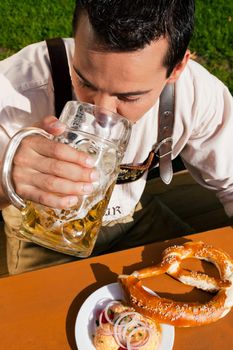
184	314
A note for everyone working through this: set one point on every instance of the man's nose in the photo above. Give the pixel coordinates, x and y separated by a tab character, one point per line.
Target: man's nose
106	101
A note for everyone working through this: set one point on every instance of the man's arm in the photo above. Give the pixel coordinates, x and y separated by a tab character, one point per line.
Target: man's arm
4	202
208	154
51	173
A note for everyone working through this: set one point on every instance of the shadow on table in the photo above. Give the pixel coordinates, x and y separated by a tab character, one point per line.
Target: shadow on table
103	276
150	256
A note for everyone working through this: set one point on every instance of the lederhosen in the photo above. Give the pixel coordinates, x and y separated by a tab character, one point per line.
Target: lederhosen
162	152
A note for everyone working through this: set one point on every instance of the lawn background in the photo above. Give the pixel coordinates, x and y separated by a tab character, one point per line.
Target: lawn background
26	21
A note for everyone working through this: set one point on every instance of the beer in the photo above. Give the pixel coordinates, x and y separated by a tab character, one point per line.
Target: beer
76	236
74	230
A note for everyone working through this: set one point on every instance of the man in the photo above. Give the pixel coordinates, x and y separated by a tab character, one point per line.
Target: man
122	57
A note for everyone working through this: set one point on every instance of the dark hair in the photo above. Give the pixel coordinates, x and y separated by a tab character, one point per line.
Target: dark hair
130	25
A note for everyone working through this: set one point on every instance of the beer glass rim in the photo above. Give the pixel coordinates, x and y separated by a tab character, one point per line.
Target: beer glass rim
91	106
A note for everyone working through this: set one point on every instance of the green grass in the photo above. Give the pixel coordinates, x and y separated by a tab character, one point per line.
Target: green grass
25	21
213	38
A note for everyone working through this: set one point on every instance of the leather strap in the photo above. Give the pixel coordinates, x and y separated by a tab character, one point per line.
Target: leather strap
60	73
165	131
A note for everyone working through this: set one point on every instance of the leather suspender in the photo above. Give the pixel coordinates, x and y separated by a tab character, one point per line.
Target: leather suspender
60	73
63	93
165	131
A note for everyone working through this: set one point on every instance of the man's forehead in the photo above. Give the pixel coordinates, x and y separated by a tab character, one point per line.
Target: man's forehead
122	93
137	70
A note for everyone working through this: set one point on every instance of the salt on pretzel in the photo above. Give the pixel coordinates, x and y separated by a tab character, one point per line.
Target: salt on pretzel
184	314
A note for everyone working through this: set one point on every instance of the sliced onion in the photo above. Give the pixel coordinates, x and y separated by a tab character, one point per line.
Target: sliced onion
118	328
104	313
125	326
107	309
125	329
133	323
103	331
137	345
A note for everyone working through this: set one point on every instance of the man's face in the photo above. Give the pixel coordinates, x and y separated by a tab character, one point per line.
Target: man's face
127	83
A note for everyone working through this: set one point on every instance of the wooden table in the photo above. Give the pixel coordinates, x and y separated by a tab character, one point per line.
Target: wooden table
38	309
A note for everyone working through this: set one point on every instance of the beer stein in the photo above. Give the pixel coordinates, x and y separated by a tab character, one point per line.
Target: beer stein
104	135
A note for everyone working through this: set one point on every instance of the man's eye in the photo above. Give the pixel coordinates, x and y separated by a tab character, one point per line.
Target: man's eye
129	99
85	85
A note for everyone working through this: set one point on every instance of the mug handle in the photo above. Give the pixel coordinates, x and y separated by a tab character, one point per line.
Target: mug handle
12	146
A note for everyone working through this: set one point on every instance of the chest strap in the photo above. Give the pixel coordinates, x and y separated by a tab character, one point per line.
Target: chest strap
60	73
165	131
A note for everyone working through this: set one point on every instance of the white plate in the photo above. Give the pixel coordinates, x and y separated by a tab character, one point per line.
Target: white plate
85	321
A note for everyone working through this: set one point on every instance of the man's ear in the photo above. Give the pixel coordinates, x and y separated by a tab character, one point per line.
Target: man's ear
179	68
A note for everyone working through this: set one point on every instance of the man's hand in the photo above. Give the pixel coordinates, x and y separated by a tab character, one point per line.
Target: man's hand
52	173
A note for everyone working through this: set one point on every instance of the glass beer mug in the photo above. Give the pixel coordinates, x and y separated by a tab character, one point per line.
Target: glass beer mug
104	135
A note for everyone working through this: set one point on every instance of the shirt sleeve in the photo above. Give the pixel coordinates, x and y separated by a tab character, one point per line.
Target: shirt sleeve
12	103
208	154
26	94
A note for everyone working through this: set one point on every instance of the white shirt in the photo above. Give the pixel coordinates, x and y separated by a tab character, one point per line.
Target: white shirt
203	128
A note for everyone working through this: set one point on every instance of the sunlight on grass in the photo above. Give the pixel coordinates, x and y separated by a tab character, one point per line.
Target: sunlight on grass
24	22
213	38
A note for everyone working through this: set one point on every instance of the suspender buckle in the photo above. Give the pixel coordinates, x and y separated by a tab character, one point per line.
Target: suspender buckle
163	152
